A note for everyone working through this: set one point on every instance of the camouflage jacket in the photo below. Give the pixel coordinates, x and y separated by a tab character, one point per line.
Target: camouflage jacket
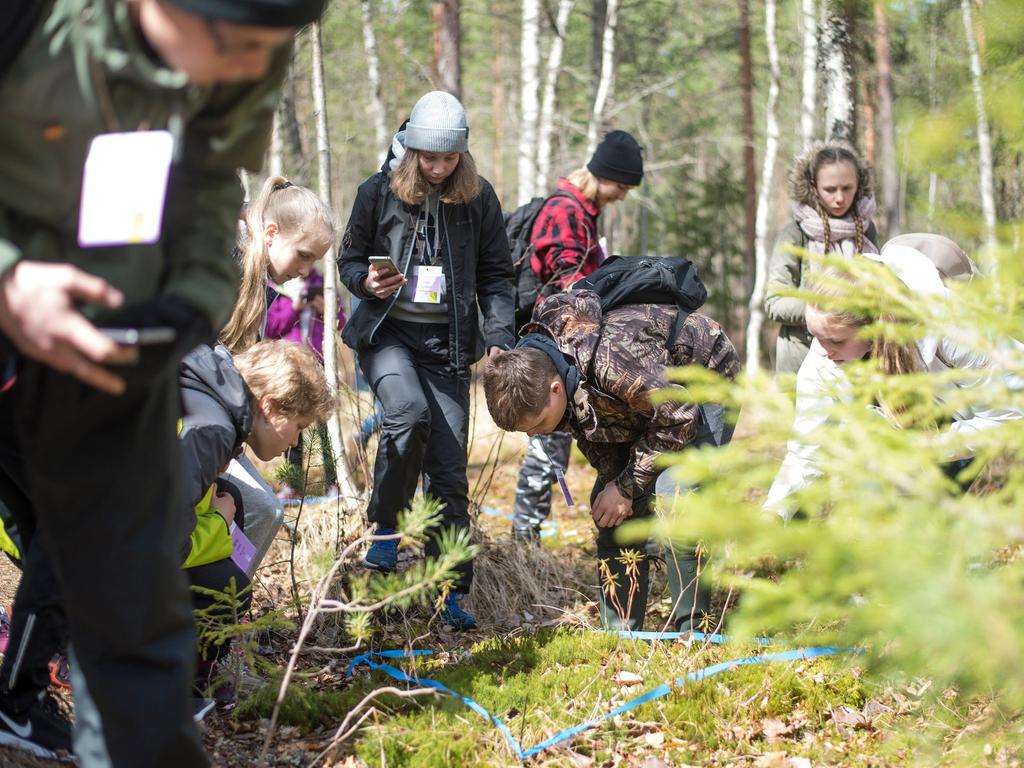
622	357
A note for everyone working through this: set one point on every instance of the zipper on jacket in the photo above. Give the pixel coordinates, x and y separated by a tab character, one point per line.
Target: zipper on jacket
405	274
453	299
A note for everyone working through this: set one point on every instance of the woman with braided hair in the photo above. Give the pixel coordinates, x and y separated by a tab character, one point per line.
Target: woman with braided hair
830	189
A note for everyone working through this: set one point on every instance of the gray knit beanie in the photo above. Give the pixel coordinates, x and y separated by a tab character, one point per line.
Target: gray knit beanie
437	124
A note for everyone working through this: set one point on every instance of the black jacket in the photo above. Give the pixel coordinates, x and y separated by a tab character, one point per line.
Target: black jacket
217	417
476	262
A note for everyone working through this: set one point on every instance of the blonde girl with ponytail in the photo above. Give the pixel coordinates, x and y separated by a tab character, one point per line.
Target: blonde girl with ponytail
832	206
288	228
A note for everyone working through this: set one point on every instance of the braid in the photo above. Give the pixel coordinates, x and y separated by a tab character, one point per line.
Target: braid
858	223
825	225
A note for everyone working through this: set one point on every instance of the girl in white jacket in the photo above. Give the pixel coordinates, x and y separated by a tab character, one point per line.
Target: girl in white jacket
921	262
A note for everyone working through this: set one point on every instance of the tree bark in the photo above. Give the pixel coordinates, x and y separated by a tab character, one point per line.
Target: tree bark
837	69
275	161
547	107
323	147
988	198
809	95
380	129
598	14
886	125
529	56
604	86
498	98
292	152
447	41
756	306
750	185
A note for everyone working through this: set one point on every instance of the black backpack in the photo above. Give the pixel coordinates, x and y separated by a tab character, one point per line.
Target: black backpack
519	226
647	280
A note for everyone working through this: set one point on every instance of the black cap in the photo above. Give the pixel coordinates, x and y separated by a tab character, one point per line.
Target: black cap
618	158
257	13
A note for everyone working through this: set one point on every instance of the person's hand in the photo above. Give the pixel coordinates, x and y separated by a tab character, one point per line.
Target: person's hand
300	302
38	315
611	507
317	303
224	503
382	282
492	352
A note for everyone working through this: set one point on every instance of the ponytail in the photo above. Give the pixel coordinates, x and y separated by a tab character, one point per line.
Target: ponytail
292	208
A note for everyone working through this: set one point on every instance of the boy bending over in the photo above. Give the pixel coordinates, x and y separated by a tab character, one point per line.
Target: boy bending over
592	374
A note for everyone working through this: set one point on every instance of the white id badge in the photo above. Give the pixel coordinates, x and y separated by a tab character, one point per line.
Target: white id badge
123	188
429	284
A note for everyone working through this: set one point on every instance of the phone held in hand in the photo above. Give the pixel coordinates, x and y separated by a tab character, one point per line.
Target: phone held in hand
140	336
385	264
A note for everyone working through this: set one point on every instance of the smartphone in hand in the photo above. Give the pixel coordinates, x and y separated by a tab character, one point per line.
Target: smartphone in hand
140	336
385	265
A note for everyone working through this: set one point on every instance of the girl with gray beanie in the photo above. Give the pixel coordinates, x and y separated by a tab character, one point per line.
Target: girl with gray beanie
425	251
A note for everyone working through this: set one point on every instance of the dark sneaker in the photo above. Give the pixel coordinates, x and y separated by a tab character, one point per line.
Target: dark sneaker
42	729
60	671
201	707
454	614
382	555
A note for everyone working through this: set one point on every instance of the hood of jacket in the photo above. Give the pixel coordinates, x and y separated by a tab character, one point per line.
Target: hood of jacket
211	386
801	185
396	151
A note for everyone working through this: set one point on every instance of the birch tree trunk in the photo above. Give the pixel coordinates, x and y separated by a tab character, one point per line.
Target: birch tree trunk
529	58
275	163
749	183
886	126
323	148
547	108
598	14
292	154
837	65
604	86
756	308
447	42
380	130
498	99
809	93
988	198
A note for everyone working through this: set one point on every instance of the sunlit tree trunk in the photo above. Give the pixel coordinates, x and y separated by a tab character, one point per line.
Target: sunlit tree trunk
323	148
749	183
988	198
498	100
886	124
529	58
275	161
809	92
380	130
547	107
604	86
837	68
447	41
756	316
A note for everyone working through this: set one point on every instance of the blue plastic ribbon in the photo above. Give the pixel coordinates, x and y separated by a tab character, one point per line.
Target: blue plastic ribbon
709	637
653	694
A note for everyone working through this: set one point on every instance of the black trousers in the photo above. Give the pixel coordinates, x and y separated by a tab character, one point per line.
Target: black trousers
425	428
102	476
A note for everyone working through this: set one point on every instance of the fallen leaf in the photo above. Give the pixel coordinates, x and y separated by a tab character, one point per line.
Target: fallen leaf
655	740
849	717
628	678
773	729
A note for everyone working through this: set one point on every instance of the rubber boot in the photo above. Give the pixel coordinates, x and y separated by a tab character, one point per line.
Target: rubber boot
691	600
627	609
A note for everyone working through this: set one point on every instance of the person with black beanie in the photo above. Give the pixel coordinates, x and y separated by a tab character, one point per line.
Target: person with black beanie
564	247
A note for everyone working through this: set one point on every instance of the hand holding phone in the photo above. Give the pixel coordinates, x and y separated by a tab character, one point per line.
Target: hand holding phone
384	277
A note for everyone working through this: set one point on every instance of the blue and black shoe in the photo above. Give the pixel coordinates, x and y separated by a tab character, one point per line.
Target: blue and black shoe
382	555
455	615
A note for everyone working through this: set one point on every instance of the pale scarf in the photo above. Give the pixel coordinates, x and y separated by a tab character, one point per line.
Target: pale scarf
843	231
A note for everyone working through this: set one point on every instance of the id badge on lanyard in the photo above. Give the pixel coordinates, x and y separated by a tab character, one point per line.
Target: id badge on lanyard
124	187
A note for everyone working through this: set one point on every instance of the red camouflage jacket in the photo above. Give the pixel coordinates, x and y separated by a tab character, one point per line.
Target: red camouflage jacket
622	357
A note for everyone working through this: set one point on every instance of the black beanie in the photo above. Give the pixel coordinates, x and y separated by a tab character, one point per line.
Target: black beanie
257	13
618	158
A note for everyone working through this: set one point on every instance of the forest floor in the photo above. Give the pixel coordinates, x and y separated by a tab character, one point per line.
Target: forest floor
538	664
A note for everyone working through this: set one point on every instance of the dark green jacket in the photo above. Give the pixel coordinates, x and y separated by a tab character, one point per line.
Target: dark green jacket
52	103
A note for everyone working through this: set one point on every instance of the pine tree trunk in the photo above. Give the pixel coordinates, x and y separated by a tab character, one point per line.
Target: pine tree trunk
886	125
447	41
323	148
750	185
380	130
837	66
529	56
988	198
809	95
756	314
604	86
547	108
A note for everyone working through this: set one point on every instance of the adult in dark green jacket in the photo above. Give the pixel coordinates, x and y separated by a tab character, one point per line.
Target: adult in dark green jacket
830	192
98	444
